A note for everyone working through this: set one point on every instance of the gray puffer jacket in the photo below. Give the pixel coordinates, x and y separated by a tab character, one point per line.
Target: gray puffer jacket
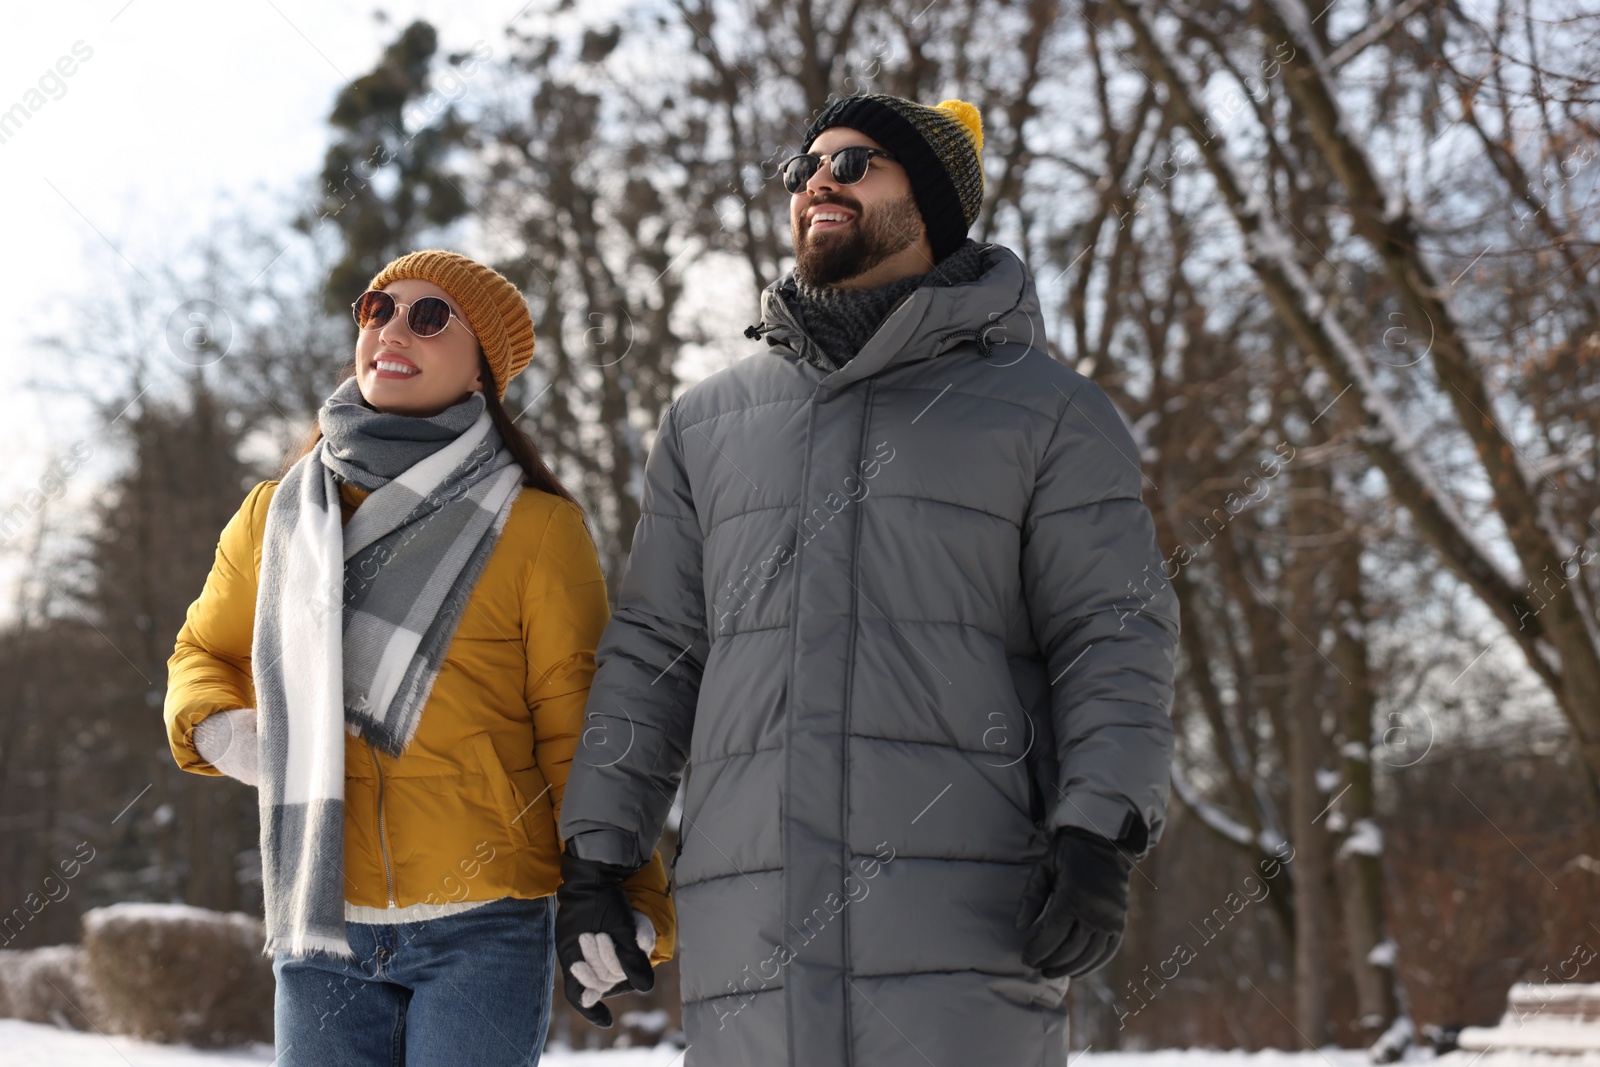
899	620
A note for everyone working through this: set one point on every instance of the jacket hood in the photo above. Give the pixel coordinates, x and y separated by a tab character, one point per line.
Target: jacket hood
1001	307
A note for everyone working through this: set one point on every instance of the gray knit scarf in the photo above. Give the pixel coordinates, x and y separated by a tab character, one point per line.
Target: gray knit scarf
840	321
352	623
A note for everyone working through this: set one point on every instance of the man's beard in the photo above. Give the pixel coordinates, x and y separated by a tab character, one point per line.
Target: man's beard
876	235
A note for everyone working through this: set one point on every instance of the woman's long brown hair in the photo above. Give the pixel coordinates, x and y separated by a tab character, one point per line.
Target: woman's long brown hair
536	473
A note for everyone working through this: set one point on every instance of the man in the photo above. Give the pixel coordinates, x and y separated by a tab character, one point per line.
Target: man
896	602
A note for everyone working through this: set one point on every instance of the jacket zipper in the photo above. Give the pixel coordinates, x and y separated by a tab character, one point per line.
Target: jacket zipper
383	839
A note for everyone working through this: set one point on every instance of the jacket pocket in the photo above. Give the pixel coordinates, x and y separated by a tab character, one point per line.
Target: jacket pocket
516	811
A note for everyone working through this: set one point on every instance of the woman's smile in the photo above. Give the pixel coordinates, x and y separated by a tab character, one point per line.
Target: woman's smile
390	365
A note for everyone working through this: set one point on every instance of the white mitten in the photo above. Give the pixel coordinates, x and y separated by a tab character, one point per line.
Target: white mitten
600	971
227	741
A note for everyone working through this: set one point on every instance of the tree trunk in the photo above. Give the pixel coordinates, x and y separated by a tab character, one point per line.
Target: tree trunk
1360	870
1310	865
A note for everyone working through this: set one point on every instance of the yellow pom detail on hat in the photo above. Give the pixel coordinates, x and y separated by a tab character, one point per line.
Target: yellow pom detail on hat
967	115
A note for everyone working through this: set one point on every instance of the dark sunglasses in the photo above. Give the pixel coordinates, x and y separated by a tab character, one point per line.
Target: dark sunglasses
849	165
427	317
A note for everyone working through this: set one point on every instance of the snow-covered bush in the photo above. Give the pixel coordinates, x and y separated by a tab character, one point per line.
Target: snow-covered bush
171	972
48	985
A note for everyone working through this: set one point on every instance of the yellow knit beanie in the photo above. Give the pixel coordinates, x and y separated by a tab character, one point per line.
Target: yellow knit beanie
494	308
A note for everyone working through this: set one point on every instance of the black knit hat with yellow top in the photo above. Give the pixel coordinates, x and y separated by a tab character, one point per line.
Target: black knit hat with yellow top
938	146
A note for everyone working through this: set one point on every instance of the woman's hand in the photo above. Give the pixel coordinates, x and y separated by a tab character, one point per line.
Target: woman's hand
227	741
600	970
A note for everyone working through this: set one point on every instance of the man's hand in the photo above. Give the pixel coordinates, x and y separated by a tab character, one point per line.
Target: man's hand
1075	904
603	944
227	741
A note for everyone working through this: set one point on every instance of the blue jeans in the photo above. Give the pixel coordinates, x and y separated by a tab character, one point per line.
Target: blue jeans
468	988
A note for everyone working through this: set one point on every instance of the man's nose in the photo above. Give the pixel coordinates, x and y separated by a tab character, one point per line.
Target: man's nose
822	179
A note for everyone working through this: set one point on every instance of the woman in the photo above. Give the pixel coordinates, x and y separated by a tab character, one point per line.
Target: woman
395	644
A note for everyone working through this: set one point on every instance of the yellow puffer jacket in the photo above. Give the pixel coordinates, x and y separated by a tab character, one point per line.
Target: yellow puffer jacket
470	810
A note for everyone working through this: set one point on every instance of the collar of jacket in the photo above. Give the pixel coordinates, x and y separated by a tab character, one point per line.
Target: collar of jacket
999	308
350	498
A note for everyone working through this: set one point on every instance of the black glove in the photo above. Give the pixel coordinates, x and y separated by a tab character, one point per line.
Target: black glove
597	930
1075	904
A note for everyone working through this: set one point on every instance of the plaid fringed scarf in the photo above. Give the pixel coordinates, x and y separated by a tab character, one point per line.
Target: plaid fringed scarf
352	624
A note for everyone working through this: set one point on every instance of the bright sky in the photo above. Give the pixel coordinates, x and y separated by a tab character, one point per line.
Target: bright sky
174	114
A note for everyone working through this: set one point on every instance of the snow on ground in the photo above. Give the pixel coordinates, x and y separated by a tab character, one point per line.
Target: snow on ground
35	1045
1200	1057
